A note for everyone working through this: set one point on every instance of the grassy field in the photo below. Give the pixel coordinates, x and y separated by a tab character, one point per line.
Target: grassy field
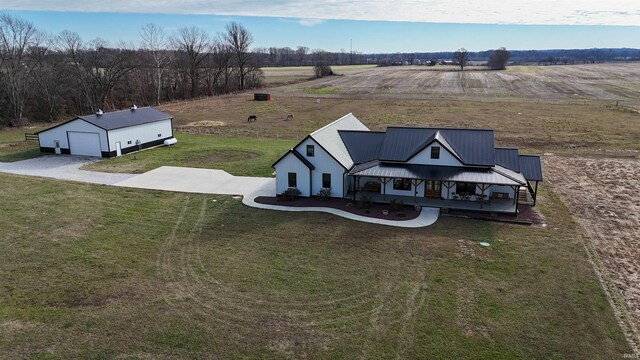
14	148
238	156
583	128
146	274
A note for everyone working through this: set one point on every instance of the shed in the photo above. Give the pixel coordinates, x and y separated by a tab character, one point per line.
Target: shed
261	97
108	134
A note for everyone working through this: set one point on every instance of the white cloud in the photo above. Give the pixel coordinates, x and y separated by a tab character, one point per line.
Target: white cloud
311	12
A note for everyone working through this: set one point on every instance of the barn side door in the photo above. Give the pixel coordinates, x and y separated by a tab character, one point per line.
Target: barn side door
118	148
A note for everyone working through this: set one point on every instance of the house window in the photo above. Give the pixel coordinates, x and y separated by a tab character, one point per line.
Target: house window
129	142
293	180
435	152
326	180
464	188
159	135
310	150
402	184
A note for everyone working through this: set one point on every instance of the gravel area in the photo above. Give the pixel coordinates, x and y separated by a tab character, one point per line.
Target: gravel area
64	168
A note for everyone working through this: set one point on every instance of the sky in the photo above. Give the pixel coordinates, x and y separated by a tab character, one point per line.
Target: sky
372	25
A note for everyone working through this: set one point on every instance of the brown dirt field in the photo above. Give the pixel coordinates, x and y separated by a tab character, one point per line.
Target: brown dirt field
615	81
602	195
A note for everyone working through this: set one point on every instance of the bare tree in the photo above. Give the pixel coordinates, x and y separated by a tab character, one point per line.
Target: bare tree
191	45
52	76
239	40
461	56
154	41
498	59
18	40
301	53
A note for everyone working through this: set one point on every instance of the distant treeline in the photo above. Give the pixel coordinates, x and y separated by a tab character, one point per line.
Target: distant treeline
559	56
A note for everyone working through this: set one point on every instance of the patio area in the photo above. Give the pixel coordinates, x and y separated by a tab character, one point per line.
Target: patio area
492	205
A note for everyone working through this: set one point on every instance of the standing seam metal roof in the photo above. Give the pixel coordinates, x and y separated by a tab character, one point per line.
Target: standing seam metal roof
444	173
474	146
508	157
530	167
363	146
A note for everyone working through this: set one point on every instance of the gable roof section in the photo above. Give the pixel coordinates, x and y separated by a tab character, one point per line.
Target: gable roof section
329	138
530	167
120	119
508	158
473	146
299	156
436	137
362	146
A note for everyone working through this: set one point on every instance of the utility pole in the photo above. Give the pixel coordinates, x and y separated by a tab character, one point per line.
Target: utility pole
351	53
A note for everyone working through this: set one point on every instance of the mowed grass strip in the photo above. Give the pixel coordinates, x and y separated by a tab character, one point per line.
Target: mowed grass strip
13	146
238	156
100	272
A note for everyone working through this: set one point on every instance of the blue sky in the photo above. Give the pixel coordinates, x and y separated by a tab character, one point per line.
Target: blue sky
368	35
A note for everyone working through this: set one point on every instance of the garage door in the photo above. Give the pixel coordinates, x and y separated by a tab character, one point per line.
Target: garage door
83	143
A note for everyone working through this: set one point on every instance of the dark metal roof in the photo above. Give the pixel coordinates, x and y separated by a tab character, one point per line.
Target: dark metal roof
125	118
444	173
530	167
120	119
508	157
299	156
363	146
474	146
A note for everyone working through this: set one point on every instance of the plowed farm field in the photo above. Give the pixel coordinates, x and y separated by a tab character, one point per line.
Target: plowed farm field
616	81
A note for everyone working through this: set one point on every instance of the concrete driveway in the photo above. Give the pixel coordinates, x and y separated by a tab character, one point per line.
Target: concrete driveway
63	168
193	180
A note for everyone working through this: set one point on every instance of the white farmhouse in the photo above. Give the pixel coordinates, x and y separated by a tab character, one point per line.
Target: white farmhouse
439	167
108	134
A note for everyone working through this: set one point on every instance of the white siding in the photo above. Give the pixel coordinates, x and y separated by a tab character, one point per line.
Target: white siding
498	188
424	157
290	163
145	133
323	163
59	133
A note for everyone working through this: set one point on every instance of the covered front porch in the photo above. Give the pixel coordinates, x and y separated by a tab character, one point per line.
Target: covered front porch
491	205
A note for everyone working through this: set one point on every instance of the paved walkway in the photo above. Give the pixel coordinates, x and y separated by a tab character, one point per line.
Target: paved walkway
194	180
63	168
191	180
427	216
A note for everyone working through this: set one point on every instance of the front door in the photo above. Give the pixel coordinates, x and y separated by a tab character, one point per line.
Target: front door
432	188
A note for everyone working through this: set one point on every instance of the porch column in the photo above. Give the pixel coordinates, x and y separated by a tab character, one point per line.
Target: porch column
483	188
415	184
516	194
535	196
448	185
355	186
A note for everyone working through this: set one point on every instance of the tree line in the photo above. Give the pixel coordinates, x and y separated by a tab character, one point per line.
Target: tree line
46	77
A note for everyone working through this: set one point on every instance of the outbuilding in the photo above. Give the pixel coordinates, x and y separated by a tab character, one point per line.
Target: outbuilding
108	134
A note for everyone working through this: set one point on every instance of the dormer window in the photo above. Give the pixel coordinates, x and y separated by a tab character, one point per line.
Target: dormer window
435	152
310	150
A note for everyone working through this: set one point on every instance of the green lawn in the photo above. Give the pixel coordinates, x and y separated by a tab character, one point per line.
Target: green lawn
13	147
97	272
238	156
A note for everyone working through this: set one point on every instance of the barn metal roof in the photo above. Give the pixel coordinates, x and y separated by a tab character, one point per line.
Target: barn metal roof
444	173
508	157
363	146
473	146
530	167
329	138
125	118
120	119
